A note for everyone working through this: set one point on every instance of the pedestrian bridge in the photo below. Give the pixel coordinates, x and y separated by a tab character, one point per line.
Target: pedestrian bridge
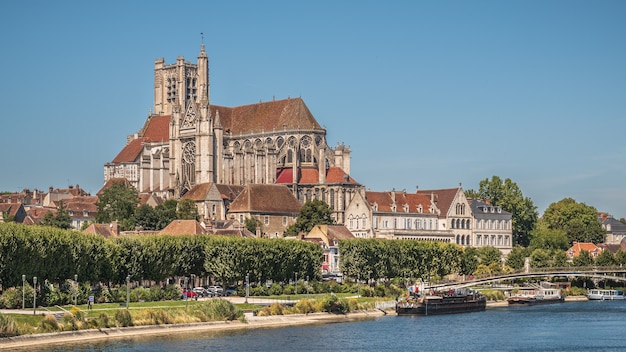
616	273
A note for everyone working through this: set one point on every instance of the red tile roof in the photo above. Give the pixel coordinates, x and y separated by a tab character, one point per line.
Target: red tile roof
266	116
184	227
157	129
266	199
385	201
575	250
443	198
311	176
198	192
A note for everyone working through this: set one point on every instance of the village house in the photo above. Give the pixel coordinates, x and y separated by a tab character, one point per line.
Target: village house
273	205
328	237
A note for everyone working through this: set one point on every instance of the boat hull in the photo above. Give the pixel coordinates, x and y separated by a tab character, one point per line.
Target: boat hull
534	301
434	307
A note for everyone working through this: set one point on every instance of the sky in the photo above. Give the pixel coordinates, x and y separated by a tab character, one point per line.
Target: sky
428	94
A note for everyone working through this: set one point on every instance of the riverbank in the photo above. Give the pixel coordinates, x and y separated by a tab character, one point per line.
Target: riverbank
253	322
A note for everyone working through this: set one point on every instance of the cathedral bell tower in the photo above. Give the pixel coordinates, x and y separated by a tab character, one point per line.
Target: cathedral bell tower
182	92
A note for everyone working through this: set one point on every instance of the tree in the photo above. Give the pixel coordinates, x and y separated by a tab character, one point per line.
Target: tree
147	217
187	210
61	220
545	238
118	202
578	220
166	213
488	255
469	261
507	195
583	258
252	223
517	257
313	212
606	258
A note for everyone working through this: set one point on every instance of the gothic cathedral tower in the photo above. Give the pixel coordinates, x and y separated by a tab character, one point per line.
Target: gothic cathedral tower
181	90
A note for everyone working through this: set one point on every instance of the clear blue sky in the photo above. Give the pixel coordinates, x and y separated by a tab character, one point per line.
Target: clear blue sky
426	93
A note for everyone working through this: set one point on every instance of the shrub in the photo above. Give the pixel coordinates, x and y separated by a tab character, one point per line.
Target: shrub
49	323
275	290
123	318
216	309
70	323
152	317
12	297
139	294
172	292
102	321
260	290
288	290
333	304
304	306
156	293
77	313
8	327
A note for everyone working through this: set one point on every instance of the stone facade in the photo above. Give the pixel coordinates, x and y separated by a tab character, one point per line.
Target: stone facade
492	227
188	141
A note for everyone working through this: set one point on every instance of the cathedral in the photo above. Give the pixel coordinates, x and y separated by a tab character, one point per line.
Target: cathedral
187	141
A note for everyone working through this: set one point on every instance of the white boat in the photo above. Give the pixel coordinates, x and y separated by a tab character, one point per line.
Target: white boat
605	295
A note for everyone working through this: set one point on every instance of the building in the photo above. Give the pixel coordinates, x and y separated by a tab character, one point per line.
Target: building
213	200
187	141
396	215
273	205
328	237
574	251
615	229
492	227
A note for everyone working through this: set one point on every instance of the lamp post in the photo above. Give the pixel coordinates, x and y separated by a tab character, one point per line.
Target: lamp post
76	290
186	293
127	291
34	295
247	287
358	284
296	290
23	292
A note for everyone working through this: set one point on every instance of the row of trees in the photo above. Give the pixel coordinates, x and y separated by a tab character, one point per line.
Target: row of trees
383	259
56	255
563	222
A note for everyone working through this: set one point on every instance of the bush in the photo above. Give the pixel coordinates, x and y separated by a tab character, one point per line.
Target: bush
260	290
172	292
304	306
139	294
333	304
70	323
289	290
8	327
152	317
216	309
276	289
49	323
156	294
102	321
123	318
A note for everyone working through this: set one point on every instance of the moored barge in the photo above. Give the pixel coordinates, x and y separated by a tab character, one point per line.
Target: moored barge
442	302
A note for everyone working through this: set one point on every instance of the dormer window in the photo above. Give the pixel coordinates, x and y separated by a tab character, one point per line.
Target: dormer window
71	212
375	206
420	209
406	208
85	213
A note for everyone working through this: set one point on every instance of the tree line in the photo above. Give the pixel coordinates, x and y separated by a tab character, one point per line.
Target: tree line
56	255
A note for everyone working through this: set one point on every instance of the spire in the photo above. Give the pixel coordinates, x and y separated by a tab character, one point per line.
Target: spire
218	122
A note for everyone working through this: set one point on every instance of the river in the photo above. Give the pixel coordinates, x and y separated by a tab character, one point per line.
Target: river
571	326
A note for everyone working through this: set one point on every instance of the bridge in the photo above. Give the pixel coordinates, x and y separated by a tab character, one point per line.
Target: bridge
594	273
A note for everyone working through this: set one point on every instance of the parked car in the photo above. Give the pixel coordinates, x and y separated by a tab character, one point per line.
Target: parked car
189	294
216	289
230	291
202	292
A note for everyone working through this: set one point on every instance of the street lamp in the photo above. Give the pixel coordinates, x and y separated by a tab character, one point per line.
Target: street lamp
296	284
186	293
247	286
358	284
34	295
23	292
127	291
76	290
